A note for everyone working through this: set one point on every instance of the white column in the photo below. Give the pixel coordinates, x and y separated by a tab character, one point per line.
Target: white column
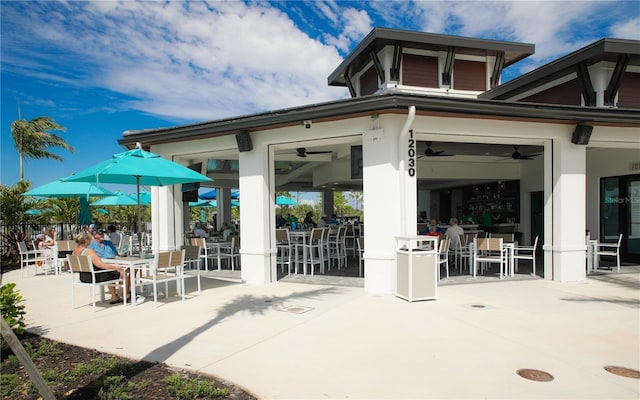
223	200
167	218
327	202
255	227
389	204
569	210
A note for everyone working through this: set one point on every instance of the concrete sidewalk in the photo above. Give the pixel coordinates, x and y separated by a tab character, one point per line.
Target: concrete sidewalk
297	341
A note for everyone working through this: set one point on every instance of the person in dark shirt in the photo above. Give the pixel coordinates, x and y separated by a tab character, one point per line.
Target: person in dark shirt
308	219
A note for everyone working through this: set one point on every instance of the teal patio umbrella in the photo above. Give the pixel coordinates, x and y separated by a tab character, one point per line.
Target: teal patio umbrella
211	203
234	203
138	167
85	217
213	195
200	204
121	199
285	201
61	188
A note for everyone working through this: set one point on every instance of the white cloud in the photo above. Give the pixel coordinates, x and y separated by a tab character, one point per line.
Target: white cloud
629	29
200	61
556	28
355	24
193	62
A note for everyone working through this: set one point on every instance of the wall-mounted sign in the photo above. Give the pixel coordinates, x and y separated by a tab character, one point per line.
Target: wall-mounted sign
635	166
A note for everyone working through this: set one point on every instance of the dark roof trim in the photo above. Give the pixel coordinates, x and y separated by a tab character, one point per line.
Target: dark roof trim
376	104
410	39
591	52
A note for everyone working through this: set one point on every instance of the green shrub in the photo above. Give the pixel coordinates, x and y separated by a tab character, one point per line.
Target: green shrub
115	388
188	389
46	347
10	308
99	366
8	382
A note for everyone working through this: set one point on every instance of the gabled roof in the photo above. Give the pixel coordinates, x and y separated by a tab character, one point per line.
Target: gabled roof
607	49
378	38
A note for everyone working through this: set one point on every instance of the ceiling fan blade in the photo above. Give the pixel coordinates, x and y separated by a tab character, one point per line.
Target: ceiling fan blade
319	152
441	154
429	152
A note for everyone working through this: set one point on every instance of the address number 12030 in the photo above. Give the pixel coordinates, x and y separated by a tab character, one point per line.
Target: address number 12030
411	152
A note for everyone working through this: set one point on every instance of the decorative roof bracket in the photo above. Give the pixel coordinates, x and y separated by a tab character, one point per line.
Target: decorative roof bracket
616	78
397	61
347	80
497	69
448	66
584	80
378	65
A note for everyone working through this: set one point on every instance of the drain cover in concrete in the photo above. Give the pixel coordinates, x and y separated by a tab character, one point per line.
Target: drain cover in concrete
296	309
622	371
535	375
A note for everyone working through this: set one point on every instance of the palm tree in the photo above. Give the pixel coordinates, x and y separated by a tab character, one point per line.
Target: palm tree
32	139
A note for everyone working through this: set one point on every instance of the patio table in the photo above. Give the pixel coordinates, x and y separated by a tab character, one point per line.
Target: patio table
299	238
218	247
131	264
509	249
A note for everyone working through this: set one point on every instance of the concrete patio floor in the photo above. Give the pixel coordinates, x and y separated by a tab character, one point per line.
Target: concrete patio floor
301	341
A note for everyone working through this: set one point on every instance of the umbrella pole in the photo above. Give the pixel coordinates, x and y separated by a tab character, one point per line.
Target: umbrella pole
139	224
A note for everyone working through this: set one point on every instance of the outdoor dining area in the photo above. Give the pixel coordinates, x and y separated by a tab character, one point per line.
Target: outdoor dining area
335	249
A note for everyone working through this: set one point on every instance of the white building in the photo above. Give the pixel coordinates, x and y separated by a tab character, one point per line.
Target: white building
580	114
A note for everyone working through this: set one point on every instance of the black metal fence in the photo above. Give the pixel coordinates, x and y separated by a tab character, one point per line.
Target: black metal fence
28	232
65	231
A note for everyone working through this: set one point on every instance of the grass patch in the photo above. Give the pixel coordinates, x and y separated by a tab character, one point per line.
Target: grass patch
193	388
8	382
76	373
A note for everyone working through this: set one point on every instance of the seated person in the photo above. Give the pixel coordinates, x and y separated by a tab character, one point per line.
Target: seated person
227	230
47	243
37	244
308	219
83	241
333	220
200	231
102	247
114	235
432	229
453	233
280	221
322	222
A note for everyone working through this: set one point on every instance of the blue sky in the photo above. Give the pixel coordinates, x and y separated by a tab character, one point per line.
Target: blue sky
100	68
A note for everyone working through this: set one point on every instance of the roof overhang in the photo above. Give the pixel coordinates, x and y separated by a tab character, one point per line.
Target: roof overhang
380	104
606	49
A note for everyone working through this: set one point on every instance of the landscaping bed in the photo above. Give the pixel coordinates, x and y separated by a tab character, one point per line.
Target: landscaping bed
73	372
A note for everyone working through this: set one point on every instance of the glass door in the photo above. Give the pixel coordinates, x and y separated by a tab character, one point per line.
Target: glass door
620	213
633	216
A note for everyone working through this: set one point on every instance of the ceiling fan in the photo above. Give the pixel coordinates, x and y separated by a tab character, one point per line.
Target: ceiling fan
517	156
302	152
429	152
